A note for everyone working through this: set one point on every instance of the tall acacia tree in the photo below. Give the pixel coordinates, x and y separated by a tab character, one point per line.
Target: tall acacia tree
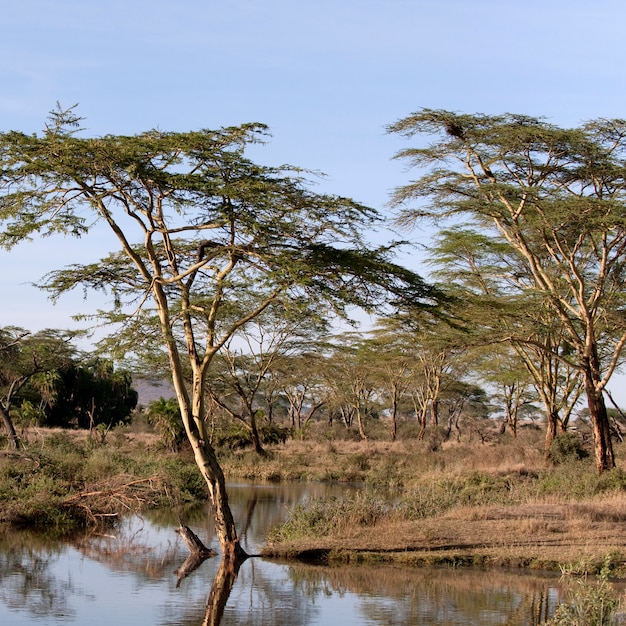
495	288
557	198
198	225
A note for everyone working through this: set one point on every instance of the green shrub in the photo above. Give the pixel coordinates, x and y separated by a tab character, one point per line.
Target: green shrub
326	516
272	434
164	416
591	604
236	437
565	448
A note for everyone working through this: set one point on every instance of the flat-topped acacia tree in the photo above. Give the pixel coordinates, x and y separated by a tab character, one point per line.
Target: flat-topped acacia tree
555	199
202	229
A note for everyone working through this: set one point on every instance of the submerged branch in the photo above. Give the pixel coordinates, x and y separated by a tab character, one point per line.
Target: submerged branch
198	553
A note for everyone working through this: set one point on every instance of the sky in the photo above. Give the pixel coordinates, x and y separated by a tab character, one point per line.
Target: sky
326	76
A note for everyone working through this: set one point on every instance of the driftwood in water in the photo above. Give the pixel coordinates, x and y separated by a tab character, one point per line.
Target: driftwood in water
193	542
198	553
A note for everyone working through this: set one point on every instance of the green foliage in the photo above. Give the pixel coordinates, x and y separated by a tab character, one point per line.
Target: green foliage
40	487
236	436
90	393
592	603
164	416
272	434
185	479
567	447
47	382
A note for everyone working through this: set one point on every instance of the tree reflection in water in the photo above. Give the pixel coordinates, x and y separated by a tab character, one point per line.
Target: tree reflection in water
391	594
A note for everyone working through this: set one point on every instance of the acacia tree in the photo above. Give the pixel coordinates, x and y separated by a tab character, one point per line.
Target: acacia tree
556	197
438	354
394	367
300	379
351	380
501	312
501	369
248	358
198	225
12	378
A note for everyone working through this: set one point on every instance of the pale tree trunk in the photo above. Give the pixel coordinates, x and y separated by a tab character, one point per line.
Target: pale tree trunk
551	432
359	418
206	460
191	406
434	412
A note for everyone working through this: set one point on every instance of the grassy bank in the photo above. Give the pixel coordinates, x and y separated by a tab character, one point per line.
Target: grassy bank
457	504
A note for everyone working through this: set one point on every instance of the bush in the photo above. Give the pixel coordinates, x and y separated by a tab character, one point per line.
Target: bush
164	416
326	516
565	448
590	605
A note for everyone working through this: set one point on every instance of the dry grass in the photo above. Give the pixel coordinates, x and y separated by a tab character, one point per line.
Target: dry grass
492	504
539	536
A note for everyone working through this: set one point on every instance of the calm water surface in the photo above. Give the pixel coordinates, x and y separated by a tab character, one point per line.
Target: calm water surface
128	579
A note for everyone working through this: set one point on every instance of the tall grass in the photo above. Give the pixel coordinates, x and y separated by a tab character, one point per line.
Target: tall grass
590	603
326	516
437	494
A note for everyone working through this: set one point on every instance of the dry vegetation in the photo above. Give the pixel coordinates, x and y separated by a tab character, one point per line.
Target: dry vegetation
456	503
482	504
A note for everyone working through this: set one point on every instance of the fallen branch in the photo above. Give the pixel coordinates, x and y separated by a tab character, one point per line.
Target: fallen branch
198	552
115	496
192	541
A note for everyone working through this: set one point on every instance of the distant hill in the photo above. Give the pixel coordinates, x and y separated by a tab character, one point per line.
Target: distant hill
150	390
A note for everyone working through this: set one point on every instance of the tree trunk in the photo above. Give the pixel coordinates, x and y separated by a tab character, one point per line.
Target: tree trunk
422	422
198	553
551	433
212	473
434	412
359	418
394	423
206	460
14	440
603	445
254	435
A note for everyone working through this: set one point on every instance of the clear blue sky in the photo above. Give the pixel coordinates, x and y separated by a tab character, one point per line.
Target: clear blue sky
325	75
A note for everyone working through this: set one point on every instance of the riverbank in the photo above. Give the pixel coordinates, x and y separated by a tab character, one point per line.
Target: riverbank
495	505
577	537
458	505
62	481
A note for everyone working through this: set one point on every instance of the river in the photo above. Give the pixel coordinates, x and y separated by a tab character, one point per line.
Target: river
127	577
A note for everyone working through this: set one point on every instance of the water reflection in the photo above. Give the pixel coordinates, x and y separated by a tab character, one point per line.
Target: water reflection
129	578
399	595
28	582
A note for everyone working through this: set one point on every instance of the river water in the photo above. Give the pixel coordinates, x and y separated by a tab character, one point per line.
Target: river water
128	578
